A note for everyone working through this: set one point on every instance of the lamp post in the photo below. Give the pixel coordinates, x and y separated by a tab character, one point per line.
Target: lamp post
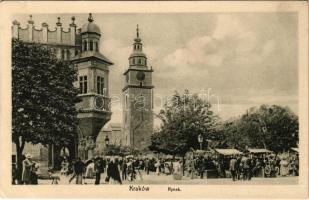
106	140
200	140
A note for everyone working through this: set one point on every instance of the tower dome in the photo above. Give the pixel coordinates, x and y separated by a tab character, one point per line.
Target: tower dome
90	27
137	57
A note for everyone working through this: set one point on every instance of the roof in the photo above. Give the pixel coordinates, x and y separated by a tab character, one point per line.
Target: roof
295	149
90	27
88	54
228	151
137	54
259	151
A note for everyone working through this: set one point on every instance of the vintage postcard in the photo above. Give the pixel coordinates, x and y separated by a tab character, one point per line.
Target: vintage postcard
154	99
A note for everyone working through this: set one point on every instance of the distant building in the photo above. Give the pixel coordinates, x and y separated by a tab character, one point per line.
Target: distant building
81	47
138	99
112	132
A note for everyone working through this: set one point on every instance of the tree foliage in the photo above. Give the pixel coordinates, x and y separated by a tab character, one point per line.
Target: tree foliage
272	127
43	96
184	117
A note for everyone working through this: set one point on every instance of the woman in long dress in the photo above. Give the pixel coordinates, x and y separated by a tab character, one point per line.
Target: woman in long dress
157	165
113	171
284	167
27	168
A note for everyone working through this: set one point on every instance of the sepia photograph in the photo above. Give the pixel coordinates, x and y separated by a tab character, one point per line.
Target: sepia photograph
140	99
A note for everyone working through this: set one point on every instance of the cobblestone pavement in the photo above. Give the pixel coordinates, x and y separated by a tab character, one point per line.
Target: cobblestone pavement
152	178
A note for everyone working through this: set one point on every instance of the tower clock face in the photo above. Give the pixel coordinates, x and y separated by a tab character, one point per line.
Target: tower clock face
99	102
140	76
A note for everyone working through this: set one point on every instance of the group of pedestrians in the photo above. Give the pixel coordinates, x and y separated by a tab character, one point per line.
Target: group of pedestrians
248	166
241	167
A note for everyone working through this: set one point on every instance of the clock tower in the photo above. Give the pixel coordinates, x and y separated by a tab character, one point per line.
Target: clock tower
138	98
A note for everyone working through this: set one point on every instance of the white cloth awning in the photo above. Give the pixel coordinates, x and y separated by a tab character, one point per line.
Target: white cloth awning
259	151
228	152
295	149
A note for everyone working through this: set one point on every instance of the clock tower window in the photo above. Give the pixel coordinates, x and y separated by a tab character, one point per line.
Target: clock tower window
83	84
100	85
96	46
91	45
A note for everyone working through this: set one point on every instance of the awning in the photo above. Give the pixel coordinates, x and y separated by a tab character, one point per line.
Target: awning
295	149
259	151
228	152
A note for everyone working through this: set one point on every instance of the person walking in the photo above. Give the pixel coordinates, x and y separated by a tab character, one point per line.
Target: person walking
124	167
284	167
27	168
157	165
34	173
238	167
147	166
246	167
233	162
79	168
114	171
98	169
200	167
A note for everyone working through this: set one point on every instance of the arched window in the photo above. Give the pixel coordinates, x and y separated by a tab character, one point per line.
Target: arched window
96	46
68	55
91	45
85	46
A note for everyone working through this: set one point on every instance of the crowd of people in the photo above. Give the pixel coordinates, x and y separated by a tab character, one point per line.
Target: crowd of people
118	169
244	166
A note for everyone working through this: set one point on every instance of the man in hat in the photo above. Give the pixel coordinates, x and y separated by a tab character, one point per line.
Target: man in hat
98	168
79	168
27	167
233	167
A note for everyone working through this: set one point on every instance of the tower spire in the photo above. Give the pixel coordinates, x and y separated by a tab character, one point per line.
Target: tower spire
137	31
90	19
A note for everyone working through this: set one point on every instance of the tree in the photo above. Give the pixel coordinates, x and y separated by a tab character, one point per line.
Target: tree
272	127
43	98
183	118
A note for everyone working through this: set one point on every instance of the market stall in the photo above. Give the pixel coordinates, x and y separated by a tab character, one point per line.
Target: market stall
228	152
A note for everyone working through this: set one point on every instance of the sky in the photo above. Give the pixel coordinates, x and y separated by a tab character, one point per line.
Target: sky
239	60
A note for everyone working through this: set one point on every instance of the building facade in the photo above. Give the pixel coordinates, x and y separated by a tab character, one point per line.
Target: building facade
138	99
110	134
81	48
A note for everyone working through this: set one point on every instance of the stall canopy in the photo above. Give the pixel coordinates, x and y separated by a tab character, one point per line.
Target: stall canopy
228	152
295	149
259	151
